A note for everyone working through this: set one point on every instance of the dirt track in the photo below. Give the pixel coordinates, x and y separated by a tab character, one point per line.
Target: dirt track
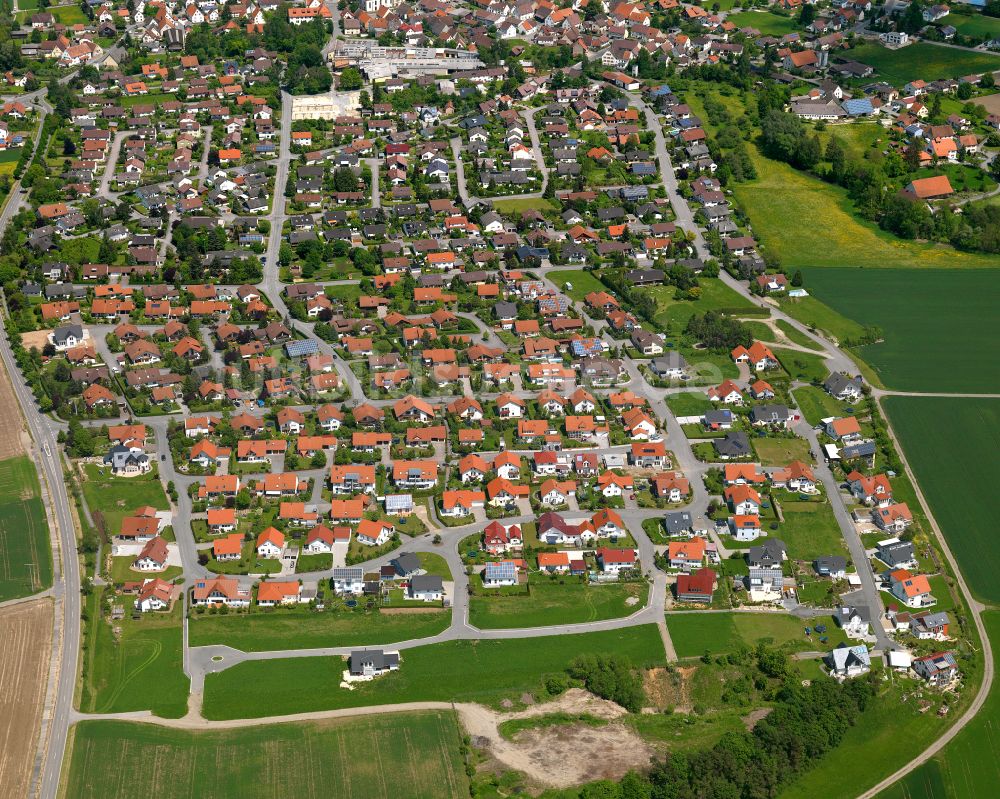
26	631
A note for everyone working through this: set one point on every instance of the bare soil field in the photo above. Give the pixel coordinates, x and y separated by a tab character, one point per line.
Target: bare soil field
26	632
991	102
13	437
564	755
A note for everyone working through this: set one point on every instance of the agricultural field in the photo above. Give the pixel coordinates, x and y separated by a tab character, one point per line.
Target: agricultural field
783	203
115	498
266	630
951	444
405	756
550	602
583	282
485	671
121	663
937	324
25	551
718	633
967	768
921	60
26	632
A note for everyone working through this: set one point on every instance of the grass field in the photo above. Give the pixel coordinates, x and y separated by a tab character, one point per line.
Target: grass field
967	768
552	603
583	282
951	445
405	756
781	451
692	403
816	404
938	324
718	633
25	552
974	24
815	314
887	735
767	23
140	669
672	315
118	497
502	206
922	60
809	529
484	671
797	337
784	203
761	331
303	629
803	366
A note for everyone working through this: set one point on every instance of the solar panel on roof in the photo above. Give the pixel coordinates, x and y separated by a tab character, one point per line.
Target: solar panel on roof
301	347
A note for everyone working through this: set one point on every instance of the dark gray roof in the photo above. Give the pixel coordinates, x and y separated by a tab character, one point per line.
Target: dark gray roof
406	563
426	583
677	522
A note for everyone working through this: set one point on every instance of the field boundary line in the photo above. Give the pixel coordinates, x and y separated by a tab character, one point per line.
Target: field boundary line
976	609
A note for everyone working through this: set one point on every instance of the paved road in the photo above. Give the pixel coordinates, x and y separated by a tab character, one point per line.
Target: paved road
66	574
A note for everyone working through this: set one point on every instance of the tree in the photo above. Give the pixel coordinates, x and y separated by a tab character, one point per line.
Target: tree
350	80
797	278
808	15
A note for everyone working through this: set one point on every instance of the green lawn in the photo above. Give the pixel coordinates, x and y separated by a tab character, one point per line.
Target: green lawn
802	366
435	564
922	60
781	451
551	603
502	206
809	529
486	671
816	315
784	204
718	633
299	628
404	756
796	336
938	324
968	766
761	331
583	282
974	24
69	14
313	563
673	314
816	404
951	444
766	22
140	669
25	550
692	403
118	497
